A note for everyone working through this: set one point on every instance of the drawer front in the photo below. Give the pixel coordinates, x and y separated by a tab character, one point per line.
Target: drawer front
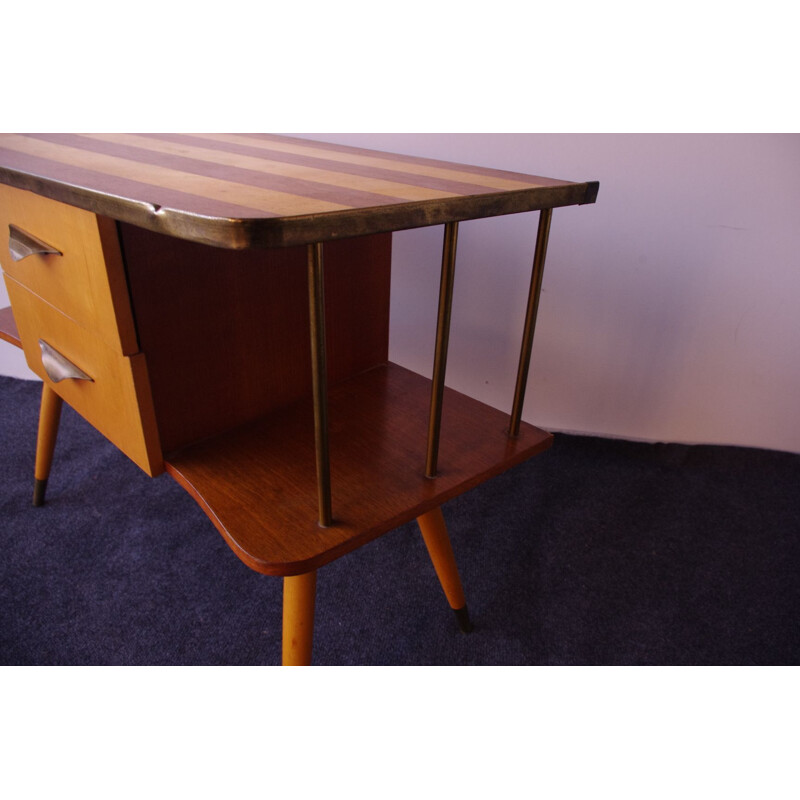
84	278
111	391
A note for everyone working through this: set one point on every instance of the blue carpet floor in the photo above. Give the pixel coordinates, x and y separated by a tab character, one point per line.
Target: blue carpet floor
598	552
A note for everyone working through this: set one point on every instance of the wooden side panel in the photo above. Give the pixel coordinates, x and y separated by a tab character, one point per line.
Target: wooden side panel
116	401
87	282
226	332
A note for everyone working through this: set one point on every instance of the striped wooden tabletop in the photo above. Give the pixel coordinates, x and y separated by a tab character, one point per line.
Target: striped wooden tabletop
262	190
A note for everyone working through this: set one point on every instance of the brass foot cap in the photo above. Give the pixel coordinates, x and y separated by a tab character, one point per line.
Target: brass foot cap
463	620
39	489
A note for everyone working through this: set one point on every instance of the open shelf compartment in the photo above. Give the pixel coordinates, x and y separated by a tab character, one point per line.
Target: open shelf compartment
258	482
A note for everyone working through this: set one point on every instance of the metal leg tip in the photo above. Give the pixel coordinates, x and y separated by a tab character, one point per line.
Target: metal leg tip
463	620
39	489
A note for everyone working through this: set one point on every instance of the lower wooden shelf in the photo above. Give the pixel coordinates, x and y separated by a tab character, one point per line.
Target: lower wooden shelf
257	484
8	327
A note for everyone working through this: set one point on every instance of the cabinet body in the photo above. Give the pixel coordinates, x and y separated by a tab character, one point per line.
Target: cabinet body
182	341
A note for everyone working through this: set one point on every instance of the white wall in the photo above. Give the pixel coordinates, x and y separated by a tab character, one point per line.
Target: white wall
669	308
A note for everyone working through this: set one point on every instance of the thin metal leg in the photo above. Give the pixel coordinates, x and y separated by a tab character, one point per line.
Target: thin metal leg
530	319
316	306
442	339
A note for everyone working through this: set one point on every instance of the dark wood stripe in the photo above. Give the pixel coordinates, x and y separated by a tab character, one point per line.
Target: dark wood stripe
360	222
208	169
406	159
364	171
90	182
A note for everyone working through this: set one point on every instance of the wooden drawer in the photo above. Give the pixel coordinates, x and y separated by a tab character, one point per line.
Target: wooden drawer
117	398
87	280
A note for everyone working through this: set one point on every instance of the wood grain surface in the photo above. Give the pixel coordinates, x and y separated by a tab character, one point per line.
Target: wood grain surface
87	281
117	401
226	333
258	484
8	327
245	190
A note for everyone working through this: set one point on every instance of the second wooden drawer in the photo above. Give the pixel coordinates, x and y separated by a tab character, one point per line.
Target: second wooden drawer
115	398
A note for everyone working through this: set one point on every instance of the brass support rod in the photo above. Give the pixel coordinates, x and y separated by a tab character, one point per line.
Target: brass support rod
319	379
537	273
442	340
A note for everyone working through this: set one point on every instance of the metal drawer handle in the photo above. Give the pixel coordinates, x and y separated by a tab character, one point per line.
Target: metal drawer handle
59	368
21	245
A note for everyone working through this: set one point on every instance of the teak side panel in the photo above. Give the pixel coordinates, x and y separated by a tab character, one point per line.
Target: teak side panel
226	333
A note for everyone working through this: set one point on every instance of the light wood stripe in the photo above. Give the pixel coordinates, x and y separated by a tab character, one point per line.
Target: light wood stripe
275	203
386	191
349	197
113	186
354	171
400	158
375	160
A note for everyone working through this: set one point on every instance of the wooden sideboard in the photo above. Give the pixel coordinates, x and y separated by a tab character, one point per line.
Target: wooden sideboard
217	306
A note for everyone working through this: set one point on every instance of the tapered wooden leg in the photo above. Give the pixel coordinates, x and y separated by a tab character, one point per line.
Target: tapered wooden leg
434	534
49	417
299	598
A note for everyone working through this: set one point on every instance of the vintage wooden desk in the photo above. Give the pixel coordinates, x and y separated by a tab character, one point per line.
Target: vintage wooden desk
218	307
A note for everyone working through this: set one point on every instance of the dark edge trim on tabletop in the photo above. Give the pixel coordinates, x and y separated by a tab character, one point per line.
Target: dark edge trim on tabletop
592	188
240	234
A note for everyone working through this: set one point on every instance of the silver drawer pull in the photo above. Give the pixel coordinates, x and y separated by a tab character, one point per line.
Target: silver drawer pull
59	368
21	245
